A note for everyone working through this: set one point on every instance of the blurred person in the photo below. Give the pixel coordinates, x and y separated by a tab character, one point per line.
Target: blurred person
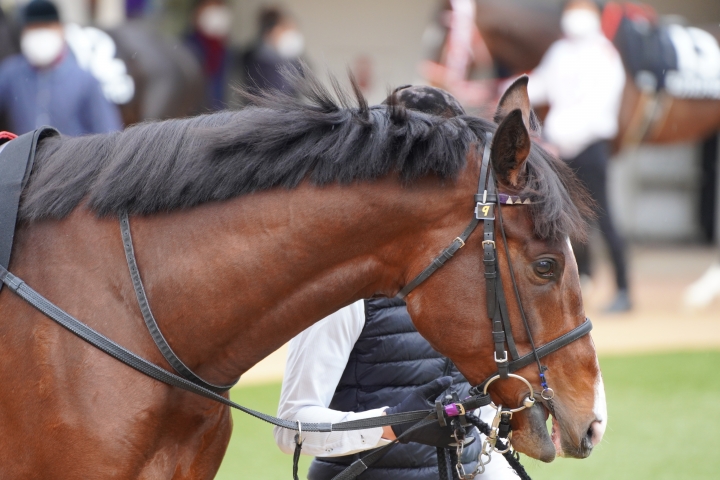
44	84
581	78
367	360
208	40
460	60
279	44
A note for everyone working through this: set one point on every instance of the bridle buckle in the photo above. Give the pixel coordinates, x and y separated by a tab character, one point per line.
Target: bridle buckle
489	242
501	360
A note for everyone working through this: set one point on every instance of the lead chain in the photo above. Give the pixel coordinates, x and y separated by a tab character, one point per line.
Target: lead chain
459	434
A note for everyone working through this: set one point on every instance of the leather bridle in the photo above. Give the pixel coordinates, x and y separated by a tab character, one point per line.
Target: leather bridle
488	202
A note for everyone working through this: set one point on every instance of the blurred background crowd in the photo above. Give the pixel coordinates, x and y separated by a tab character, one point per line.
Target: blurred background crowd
628	93
638	82
87	66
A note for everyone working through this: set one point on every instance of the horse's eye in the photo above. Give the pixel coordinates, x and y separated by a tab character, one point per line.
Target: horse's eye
545	268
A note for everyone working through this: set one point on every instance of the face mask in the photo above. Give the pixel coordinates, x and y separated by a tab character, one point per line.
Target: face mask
42	46
290	44
579	23
215	21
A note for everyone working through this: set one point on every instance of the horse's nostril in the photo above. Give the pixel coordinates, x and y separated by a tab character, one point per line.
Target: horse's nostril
595	432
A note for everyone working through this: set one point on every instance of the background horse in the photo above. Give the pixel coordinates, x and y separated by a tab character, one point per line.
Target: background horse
248	227
517	35
519	45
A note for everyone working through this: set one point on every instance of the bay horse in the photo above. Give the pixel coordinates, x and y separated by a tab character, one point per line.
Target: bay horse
248	227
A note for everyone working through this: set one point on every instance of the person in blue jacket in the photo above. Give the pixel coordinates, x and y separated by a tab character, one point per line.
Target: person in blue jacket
44	85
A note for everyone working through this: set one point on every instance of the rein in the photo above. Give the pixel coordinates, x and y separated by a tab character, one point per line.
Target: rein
454	413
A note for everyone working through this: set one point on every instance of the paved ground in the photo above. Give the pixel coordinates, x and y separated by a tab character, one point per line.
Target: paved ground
657	323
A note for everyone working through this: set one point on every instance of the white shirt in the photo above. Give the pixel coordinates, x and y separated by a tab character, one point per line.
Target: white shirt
582	79
317	358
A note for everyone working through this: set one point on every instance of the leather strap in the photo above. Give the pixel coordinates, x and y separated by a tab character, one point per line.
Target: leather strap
138	363
552	346
362	464
16	161
543	351
149	318
440	260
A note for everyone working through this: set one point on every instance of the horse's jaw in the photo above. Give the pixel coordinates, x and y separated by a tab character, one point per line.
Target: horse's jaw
532	437
566	438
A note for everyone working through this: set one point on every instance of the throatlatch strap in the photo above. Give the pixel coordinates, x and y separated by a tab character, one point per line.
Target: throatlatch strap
149	318
440	260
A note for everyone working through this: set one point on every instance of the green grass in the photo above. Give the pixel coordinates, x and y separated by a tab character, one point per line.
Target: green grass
664	413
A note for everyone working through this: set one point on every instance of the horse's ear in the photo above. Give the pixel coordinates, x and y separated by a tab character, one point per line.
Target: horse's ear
510	148
516	98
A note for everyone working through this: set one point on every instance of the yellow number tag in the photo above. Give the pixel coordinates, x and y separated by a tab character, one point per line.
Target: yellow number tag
484	211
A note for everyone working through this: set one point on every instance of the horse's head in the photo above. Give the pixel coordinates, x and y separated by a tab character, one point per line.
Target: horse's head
533	255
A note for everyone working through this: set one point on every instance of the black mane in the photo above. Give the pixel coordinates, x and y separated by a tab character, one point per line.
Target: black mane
278	141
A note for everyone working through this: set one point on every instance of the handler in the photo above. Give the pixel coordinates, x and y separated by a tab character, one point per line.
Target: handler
366	360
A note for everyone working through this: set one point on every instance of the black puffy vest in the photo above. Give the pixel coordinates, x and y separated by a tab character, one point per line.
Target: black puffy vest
390	360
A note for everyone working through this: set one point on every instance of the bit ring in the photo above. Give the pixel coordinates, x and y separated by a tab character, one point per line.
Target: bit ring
518	377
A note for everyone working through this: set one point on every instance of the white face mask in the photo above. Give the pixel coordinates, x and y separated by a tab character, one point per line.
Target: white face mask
42	46
215	21
579	23
290	44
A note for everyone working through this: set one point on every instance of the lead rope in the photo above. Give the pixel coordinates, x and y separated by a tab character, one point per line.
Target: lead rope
442	458
513	458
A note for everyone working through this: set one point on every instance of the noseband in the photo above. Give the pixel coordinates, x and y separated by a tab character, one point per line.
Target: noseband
487	202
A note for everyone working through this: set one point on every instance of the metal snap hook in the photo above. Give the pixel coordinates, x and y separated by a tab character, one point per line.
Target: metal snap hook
299	440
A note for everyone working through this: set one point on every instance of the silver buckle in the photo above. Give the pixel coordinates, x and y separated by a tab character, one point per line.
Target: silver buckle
501	360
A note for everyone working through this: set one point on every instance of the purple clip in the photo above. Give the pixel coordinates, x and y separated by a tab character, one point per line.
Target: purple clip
454	409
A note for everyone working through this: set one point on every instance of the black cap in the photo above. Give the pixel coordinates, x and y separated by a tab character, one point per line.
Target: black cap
40	11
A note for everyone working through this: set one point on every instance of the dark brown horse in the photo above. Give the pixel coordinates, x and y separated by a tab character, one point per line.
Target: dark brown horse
517	35
250	226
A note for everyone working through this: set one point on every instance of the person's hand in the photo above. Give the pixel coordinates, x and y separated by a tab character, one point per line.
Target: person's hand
423	398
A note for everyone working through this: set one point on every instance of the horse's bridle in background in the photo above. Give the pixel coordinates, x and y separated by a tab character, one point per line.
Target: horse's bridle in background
487	201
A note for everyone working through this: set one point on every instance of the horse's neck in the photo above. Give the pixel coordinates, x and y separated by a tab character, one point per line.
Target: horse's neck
245	276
